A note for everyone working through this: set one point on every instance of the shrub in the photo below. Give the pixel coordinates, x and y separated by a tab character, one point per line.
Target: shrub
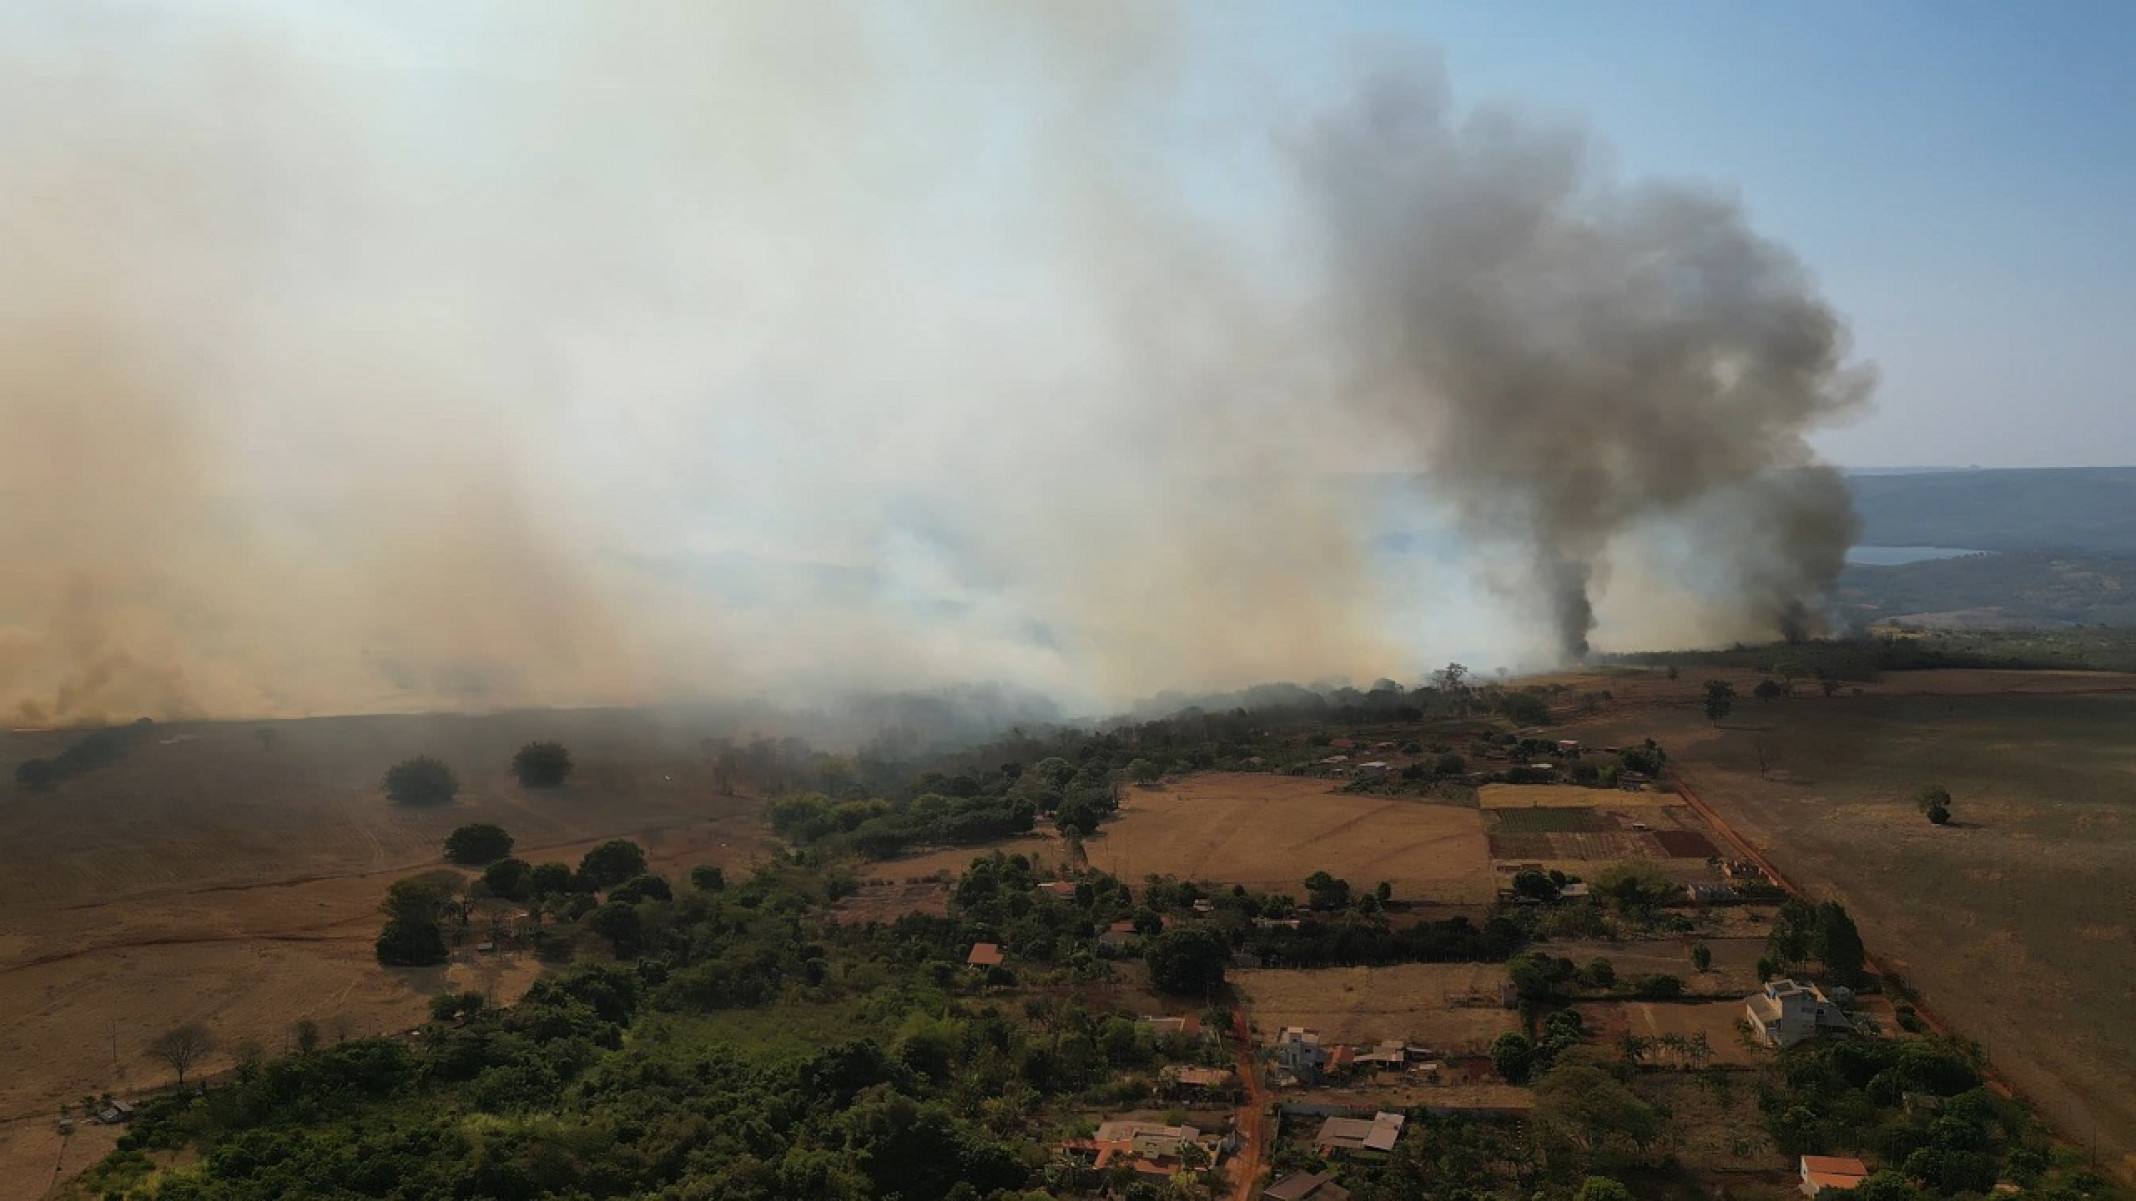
1658	987
542	764
422	780
708	877
478	843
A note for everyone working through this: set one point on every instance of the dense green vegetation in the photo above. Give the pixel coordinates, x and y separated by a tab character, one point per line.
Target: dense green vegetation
2032	588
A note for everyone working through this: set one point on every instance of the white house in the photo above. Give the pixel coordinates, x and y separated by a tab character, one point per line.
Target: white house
1300	1050
1789	1011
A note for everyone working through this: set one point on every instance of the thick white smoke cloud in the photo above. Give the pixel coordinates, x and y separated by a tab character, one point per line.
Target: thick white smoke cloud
399	356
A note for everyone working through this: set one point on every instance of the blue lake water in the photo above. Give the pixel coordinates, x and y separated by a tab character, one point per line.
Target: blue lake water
1893	556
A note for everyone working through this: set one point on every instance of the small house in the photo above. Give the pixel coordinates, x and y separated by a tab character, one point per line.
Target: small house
1820	1172
1708	894
1306	1186
1788	1012
1299	1050
1375	1135
1057	890
1197	1082
984	954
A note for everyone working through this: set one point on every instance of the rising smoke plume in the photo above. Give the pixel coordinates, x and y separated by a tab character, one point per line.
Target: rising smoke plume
1576	356
379	357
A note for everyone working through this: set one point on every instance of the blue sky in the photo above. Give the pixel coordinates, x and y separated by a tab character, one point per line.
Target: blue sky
1960	178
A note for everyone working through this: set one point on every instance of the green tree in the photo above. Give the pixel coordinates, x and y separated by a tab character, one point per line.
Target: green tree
1935	802
423	780
477	843
542	764
708	878
1839	944
619	923
552	879
1599	973
1720	700
1528	882
512	879
1187	962
642	888
1602	1188
409	943
1701	956
1324	891
611	863
1143	771
1513	1055
1587	1109
1769	689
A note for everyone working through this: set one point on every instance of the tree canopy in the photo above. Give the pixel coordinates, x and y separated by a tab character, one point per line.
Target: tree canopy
477	843
423	780
542	764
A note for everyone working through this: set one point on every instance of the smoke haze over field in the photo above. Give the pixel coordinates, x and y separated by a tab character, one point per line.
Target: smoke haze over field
389	357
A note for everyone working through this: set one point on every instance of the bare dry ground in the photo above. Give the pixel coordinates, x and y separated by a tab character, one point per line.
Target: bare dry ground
1446	1006
222	876
2017	922
1270	832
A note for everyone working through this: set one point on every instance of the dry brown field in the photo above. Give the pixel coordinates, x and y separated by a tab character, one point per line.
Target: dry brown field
1734	971
2018	921
217	876
1450	1007
1271	832
1568	796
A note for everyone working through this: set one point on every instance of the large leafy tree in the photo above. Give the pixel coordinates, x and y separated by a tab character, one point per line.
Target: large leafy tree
423	780
1187	962
542	764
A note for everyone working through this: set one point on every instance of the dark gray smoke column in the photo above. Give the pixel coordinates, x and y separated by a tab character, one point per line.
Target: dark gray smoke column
1575	355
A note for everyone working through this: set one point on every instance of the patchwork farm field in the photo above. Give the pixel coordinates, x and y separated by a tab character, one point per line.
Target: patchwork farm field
2018	921
221	875
1270	832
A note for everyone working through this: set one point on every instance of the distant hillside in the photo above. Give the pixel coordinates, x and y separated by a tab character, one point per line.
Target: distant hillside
2076	509
2025	589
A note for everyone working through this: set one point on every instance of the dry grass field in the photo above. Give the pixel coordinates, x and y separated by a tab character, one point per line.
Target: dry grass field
1271	832
1568	796
1734	971
221	876
2018	921
1446	1006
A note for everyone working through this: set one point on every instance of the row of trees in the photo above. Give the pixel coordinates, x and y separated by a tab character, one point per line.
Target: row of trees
429	780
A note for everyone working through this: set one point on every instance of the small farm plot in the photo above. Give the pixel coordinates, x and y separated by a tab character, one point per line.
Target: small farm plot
1719	1021
1272	832
1559	796
1449	1007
